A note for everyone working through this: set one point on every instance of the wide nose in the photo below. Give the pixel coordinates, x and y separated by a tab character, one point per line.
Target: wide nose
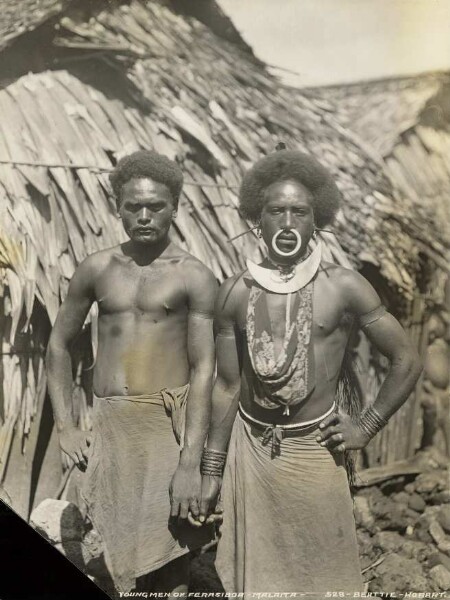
144	215
287	220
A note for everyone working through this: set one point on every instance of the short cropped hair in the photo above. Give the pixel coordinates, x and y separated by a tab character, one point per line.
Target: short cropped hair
281	166
146	163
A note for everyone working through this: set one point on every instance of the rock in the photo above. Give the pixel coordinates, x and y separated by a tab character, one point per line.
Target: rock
401	497
388	514
444	547
438	558
441	576
417	503
58	521
441	497
416	550
435	456
388	541
412	516
398	574
436	532
421	530
410	488
363	516
429	482
430	513
443	518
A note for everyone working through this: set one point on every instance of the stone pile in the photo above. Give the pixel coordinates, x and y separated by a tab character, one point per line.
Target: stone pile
403	530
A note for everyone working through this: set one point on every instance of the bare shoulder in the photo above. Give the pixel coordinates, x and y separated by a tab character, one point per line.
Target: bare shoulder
88	271
231	294
198	281
356	292
193	271
95	263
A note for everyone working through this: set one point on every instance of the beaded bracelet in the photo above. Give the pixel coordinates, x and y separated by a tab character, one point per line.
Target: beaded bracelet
371	422
213	462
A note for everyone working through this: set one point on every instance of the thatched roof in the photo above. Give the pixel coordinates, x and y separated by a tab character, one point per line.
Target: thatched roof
22	16
379	111
407	122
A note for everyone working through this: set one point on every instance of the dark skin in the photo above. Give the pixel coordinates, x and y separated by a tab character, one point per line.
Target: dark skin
340	296
154	300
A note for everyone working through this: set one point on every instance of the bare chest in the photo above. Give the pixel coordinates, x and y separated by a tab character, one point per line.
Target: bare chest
328	312
145	290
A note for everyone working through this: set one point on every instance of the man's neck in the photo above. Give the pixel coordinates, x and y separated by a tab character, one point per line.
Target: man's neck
274	261
144	254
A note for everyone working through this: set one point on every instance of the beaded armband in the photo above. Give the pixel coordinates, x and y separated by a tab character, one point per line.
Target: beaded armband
213	462
371	422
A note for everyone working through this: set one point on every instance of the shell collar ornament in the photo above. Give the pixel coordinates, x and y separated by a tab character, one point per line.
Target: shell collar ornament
286	280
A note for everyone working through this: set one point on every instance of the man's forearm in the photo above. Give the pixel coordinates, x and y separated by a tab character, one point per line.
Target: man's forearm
60	383
198	411
225	402
398	385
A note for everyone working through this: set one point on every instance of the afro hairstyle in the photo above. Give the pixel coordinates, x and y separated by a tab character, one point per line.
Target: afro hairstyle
145	163
281	166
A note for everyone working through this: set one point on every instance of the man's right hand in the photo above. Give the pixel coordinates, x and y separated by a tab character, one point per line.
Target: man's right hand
75	443
209	510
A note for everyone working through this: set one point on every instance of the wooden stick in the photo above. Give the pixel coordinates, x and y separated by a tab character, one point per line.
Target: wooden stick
241	234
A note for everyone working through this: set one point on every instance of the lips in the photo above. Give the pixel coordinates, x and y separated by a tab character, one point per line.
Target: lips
287	236
143	230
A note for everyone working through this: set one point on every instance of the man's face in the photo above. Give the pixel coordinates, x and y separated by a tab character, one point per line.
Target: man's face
147	209
287	208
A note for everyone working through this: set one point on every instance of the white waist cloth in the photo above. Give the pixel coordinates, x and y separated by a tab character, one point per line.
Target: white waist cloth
290	425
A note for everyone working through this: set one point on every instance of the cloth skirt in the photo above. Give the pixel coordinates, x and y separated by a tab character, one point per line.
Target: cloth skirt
288	522
134	454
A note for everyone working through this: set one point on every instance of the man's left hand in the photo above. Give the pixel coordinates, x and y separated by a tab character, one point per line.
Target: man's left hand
185	492
339	433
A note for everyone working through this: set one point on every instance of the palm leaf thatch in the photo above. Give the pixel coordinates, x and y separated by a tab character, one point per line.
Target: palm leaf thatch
141	75
407	123
24	16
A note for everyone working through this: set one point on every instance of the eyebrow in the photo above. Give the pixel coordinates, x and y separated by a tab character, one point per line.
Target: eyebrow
151	202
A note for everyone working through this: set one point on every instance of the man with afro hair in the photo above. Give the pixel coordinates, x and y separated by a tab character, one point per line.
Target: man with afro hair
152	383
280	420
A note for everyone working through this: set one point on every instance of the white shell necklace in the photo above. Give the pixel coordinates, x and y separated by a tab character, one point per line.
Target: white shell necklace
287	281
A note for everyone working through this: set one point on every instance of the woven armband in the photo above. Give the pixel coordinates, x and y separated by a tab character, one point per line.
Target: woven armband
371	422
372	316
213	462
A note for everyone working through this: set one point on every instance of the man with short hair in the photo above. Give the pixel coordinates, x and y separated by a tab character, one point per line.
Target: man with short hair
152	382
282	331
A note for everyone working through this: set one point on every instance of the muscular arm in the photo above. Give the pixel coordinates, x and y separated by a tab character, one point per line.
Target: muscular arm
201	289
69	322
225	397
389	338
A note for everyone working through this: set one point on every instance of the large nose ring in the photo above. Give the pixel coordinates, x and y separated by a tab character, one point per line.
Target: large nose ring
291	252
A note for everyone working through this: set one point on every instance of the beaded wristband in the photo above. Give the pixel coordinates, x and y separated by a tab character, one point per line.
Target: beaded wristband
371	422
213	462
